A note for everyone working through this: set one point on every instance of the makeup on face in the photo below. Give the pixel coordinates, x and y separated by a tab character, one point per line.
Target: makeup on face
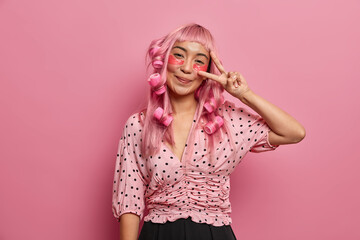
175	61
200	68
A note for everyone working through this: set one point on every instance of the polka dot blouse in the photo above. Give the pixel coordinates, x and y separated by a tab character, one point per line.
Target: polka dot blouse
171	189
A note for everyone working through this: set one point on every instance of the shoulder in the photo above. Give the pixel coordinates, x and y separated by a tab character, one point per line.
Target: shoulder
235	113
228	107
135	120
133	125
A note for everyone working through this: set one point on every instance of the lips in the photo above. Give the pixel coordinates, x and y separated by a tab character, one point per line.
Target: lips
183	80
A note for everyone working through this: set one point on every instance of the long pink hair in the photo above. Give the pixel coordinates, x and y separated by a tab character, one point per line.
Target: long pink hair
153	130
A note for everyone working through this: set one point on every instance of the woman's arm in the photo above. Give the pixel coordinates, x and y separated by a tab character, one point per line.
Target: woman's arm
285	128
129	226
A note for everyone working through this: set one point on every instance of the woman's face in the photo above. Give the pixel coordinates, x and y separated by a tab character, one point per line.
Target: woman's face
185	60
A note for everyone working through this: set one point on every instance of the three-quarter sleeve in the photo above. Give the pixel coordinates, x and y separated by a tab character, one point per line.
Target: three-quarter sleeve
129	182
250	128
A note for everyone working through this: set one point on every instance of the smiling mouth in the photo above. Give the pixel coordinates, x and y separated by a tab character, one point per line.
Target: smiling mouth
182	80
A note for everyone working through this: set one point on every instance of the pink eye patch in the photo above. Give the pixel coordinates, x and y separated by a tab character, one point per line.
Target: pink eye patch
200	68
175	61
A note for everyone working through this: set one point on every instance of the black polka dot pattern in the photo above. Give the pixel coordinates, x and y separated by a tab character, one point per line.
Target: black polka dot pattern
194	186
250	129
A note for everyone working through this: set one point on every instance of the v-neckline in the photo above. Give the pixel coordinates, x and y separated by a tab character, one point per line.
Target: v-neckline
186	142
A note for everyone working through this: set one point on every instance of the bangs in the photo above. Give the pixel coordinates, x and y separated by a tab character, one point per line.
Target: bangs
197	34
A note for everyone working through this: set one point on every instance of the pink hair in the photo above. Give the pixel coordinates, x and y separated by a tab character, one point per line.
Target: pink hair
209	93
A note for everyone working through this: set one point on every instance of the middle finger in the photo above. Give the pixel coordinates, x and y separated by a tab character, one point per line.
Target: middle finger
217	63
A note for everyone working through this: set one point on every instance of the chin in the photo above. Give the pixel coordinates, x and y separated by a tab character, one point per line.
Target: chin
181	92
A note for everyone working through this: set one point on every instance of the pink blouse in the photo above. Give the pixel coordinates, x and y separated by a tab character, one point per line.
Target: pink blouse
174	189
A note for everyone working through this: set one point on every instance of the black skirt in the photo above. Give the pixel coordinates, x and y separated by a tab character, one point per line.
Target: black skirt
182	229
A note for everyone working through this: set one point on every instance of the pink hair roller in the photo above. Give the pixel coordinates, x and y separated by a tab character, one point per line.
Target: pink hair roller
211	127
154	50
210	105
157	64
159	115
154	81
161	90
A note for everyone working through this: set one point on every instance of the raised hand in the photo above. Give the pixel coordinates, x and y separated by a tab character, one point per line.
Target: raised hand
233	82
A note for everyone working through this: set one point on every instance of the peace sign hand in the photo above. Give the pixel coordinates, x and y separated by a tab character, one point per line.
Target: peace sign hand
233	82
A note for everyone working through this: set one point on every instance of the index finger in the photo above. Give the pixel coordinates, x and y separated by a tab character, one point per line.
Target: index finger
217	63
209	75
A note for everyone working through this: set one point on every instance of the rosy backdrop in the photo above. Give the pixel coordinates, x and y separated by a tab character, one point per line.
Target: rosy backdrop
68	70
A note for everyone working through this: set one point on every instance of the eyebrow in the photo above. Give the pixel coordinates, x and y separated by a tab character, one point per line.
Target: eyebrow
201	54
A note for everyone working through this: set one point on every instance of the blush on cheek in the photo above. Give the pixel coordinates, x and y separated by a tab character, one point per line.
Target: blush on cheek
200	68
175	61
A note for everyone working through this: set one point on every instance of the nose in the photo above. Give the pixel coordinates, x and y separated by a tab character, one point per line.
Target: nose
186	67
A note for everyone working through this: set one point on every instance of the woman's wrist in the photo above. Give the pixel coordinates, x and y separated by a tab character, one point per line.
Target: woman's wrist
246	97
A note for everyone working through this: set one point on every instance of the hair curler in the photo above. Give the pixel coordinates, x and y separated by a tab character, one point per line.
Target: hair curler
157	64
210	105
213	126
160	90
164	119
154	81
157	61
154	50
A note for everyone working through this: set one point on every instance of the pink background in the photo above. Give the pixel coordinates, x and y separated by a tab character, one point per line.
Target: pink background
73	71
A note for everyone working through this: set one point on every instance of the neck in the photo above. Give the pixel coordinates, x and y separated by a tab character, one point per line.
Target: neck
183	105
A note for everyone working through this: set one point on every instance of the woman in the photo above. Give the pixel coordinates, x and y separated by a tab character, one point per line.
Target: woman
178	153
